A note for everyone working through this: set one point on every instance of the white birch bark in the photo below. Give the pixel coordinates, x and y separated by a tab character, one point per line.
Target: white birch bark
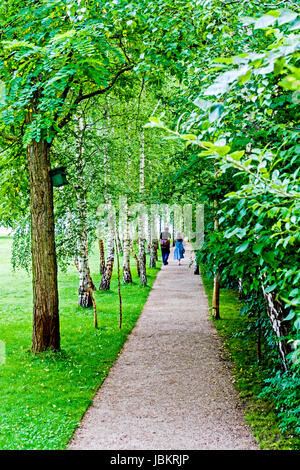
276	314
153	240
84	298
149	238
141	222
106	277
119	243
127	278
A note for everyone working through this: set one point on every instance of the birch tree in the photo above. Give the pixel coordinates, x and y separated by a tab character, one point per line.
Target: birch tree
82	260
141	221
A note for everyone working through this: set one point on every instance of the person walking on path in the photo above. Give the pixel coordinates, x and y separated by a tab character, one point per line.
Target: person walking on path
179	248
165	245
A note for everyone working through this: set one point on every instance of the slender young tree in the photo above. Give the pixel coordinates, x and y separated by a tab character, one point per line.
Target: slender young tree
85	283
102	256
141	221
127	278
216	290
106	277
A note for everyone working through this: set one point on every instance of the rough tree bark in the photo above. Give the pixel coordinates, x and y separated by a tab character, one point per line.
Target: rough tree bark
106	277
152	262
216	296
85	287
102	256
46	333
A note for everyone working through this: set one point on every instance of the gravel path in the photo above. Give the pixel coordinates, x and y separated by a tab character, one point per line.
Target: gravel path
170	388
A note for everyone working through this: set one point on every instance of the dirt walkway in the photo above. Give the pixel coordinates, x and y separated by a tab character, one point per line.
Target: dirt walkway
170	388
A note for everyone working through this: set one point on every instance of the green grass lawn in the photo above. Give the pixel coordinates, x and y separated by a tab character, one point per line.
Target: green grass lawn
249	375
44	396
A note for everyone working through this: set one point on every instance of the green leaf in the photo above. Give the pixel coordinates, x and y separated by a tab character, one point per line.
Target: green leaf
237	155
265	21
242	248
218	88
216	113
270	288
257	248
202	104
290	316
287	16
244	78
223	60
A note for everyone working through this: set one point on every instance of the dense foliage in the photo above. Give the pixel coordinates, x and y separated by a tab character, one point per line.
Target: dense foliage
243	113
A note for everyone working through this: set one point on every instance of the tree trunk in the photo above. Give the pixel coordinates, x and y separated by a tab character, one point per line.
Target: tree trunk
142	251
46	333
148	234
119	244
136	259
141	221
85	281
276	313
152	262
216	297
91	284
119	287
106	277
259	337
240	288
142	262
216	292
84	297
127	278
156	250
102	256
173	232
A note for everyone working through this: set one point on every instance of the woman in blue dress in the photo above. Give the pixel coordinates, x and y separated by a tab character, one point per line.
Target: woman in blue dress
179	248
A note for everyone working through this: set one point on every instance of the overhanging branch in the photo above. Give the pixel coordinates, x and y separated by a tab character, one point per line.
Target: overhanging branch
10	138
102	91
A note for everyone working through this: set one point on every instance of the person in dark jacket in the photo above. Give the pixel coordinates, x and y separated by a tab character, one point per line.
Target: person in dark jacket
165	245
